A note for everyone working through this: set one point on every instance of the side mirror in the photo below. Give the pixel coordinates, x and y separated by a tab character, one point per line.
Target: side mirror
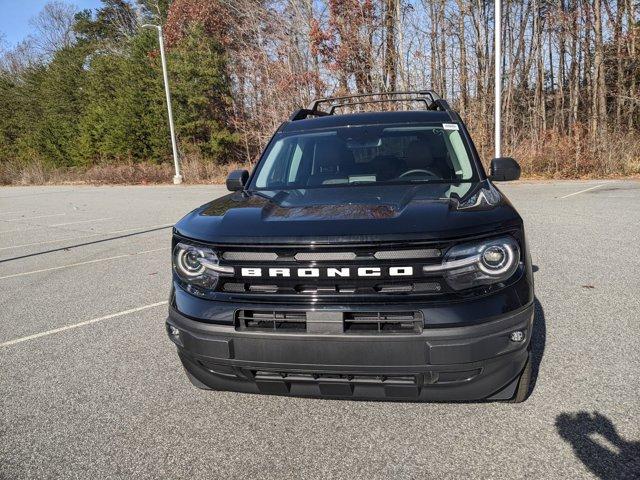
504	169
237	180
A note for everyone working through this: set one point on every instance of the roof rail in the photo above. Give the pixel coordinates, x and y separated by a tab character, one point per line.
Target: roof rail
431	100
349	104
303	113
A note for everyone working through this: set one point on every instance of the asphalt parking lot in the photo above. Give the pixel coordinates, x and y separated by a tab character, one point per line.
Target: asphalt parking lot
90	387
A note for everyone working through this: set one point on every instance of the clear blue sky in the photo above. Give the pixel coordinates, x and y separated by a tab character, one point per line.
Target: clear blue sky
15	16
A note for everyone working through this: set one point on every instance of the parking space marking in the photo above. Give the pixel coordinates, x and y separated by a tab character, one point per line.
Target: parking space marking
10	247
81	324
97	260
32	218
20	229
79	221
583	191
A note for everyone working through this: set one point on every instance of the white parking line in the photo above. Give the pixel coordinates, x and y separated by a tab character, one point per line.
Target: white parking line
81	324
21	229
9	213
80	221
33	218
85	236
36	227
97	260
585	190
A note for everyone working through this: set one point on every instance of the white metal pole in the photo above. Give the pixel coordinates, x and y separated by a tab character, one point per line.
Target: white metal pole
498	76
177	178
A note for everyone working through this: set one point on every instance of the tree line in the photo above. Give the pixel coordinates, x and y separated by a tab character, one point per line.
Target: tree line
85	89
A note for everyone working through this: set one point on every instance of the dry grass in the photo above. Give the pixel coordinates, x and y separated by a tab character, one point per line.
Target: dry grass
563	156
198	170
552	156
32	173
194	171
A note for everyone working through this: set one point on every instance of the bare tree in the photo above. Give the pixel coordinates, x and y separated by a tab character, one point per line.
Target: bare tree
390	53
568	64
53	27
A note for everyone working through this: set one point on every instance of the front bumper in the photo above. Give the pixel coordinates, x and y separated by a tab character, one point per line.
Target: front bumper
461	363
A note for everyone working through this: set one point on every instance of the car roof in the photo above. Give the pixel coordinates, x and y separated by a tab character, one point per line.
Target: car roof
366	118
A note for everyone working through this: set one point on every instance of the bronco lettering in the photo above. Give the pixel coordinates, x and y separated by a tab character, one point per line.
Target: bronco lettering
327	272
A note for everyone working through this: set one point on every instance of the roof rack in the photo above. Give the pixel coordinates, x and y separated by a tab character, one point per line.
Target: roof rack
431	100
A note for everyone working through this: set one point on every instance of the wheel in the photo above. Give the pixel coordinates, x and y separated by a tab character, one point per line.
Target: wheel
522	391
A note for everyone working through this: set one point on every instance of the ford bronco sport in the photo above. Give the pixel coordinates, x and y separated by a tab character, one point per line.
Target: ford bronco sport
367	256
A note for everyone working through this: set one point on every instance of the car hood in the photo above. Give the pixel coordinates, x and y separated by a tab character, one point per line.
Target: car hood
347	214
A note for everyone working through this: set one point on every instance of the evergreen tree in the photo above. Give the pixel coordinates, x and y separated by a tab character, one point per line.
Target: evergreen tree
125	116
202	93
57	105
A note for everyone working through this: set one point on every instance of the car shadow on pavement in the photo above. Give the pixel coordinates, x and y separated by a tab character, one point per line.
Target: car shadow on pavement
538	341
598	445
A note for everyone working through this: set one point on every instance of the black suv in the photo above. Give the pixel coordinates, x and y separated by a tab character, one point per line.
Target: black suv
367	256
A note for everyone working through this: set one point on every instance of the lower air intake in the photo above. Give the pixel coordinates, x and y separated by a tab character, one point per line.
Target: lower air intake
353	323
383	322
271	321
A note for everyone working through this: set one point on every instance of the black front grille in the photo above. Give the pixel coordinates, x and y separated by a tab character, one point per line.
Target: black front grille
348	253
314	274
355	323
344	288
326	271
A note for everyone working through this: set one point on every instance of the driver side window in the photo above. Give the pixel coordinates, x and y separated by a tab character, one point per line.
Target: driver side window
275	169
294	166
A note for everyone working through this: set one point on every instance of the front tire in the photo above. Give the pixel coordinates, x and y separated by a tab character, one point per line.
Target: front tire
524	383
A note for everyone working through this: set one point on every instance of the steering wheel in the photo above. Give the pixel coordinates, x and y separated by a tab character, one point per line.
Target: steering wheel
419	170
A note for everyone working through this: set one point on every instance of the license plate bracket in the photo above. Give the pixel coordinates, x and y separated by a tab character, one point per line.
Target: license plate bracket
325	323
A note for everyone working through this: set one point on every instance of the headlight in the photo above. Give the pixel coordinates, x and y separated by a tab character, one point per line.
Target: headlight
198	265
480	263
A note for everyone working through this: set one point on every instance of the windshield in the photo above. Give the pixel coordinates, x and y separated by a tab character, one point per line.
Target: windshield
366	155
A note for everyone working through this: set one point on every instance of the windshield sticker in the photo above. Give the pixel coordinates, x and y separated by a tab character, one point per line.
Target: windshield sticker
450	126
